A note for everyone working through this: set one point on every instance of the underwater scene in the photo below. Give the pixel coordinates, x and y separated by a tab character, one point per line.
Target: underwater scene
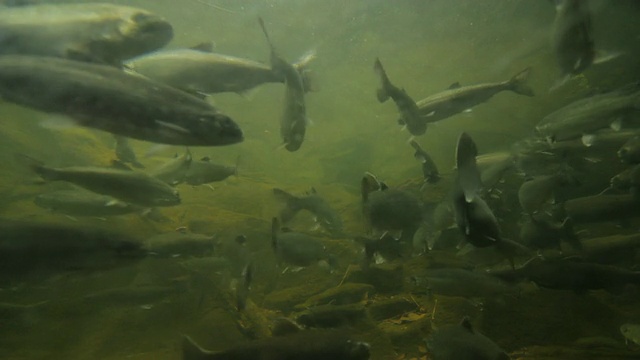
320	179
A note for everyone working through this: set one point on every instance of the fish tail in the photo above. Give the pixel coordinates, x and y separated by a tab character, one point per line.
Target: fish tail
385	84
306	76
275	227
518	83
191	350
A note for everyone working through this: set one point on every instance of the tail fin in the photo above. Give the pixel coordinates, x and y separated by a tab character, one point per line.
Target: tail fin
518	83
305	74
383	91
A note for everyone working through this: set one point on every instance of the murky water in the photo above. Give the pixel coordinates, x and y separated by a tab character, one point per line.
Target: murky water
99	287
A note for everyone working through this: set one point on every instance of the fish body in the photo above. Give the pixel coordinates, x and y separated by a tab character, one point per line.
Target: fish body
83	203
539	233
464	283
129	186
180	244
296	248
599	208
405	104
326	216
458	98
572	37
105	98
534	193
27	246
203	171
463	342
585	116
565	274
174	171
302	345
203	72
293	123
101	33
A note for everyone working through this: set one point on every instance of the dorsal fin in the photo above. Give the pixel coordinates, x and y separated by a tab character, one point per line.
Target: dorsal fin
455	85
204	46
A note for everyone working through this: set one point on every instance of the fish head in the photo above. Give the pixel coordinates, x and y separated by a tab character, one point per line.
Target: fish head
216	129
140	32
168	198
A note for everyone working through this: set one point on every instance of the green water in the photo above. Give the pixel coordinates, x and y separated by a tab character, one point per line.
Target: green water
425	45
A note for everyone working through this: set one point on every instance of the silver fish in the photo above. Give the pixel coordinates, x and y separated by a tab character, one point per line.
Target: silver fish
83	203
293	124
129	186
588	115
203	171
105	98
199	71
103	33
458	98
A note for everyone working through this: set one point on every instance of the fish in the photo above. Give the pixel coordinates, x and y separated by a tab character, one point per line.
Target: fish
293	123
180	243
463	283
458	98
129	186
301	345
462	342
537	191
573	42
84	203
298	249
405	104
583	117
203	171
631	332
388	209
429	168
175	171
125	153
629	153
388	247
27	246
473	216
628	180
201	71
325	215
541	232
99	33
573	274
105	98
598	208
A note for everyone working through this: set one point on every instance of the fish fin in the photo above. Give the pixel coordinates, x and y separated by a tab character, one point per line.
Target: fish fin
155	149
36	166
603	56
173	127
113	202
308	82
588	140
519	83
560	82
58	122
616	125
192	351
467	111
431	113
382	93
455	85
205	46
